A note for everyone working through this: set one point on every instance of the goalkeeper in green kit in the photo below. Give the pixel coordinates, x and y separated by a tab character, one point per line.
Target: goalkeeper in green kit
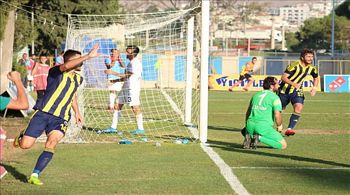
265	109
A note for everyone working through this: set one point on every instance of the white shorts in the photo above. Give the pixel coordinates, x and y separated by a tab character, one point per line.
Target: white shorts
30	77
117	86
130	97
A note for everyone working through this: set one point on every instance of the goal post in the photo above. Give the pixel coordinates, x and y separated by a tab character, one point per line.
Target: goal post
170	86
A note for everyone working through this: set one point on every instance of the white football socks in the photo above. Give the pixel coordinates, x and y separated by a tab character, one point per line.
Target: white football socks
112	97
139	121
116	116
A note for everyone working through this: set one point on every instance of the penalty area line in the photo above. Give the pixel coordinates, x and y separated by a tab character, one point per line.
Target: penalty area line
225	170
296	168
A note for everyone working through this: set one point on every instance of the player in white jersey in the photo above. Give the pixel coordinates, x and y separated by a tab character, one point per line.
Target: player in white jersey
130	93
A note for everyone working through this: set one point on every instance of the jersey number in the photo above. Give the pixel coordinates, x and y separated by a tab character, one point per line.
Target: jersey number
262	96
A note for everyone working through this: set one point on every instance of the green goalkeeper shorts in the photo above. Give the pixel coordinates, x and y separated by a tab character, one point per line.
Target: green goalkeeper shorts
264	130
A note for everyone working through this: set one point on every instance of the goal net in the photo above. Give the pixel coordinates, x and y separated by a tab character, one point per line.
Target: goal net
167	72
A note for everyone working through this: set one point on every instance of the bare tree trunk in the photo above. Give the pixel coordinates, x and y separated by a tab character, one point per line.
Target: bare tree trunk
6	50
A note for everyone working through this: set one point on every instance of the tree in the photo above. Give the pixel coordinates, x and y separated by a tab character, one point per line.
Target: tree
316	33
51	20
291	40
343	9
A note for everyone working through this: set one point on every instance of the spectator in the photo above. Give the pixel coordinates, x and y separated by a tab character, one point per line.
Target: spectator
40	73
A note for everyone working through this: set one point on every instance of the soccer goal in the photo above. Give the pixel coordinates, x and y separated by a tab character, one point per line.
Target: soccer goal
169	45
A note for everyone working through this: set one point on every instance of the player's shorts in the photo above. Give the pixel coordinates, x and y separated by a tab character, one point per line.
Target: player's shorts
42	121
30	77
295	97
116	86
130	97
245	76
264	130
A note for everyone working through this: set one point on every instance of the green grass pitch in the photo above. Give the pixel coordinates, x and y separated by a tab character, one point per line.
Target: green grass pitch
317	159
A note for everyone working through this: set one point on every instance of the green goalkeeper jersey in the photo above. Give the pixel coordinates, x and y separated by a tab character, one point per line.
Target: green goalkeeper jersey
262	107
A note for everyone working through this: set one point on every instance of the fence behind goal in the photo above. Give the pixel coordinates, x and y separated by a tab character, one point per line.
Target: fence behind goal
162	38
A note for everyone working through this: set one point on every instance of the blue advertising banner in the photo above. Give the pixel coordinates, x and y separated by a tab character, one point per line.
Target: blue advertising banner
336	83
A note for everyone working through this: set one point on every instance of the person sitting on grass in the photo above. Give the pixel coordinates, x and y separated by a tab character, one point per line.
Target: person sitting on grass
264	109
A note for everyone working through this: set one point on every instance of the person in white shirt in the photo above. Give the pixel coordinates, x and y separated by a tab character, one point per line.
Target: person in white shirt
130	93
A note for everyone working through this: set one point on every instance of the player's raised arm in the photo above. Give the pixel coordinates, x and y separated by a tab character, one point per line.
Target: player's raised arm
21	103
78	61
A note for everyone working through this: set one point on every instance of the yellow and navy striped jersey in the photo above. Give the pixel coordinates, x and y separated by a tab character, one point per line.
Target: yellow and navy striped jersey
61	87
247	69
297	72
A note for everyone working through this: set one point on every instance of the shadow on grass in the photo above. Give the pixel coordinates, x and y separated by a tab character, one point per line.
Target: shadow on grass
234	147
18	175
223	128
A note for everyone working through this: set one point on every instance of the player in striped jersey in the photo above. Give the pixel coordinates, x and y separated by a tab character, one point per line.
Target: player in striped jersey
246	73
291	88
53	109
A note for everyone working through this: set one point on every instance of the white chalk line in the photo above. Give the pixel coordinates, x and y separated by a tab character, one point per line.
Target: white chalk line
308	113
296	168
225	170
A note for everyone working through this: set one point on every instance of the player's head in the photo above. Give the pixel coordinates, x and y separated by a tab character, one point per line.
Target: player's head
132	51
71	55
271	83
307	56
114	54
254	59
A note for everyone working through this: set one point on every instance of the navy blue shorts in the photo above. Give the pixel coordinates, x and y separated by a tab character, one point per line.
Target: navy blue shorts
42	121
245	76
295	97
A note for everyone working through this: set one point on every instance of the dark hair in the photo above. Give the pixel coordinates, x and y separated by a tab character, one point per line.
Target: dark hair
254	58
134	48
268	81
306	51
69	54
113	49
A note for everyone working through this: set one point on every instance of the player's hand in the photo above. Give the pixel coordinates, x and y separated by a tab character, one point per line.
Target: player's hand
108	71
313	91
14	76
93	52
79	119
279	128
119	59
297	85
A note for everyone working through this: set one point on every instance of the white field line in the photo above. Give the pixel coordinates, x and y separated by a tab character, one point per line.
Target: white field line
225	170
309	113
296	168
247	100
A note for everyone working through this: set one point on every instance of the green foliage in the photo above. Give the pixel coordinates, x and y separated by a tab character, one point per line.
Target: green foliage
316	33
291	40
3	19
343	9
24	33
20	68
51	21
